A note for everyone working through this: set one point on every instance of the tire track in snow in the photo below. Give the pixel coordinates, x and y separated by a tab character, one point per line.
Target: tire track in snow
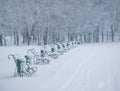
71	78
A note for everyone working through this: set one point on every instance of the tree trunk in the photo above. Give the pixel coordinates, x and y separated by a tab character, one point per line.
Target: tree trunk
1	41
102	34
112	34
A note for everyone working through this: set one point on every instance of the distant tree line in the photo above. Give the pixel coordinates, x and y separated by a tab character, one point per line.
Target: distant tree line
48	37
42	22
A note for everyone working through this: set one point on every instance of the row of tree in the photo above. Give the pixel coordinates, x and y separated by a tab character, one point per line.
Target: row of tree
48	37
41	22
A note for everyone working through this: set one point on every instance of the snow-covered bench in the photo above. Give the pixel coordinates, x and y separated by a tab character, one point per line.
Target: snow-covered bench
40	58
22	67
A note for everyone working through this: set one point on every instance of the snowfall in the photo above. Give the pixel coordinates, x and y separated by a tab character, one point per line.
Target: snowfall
87	67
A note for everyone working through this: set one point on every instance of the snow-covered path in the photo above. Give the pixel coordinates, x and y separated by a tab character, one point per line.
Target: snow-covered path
93	67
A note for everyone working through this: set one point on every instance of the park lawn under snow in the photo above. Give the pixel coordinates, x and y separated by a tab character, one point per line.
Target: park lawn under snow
88	67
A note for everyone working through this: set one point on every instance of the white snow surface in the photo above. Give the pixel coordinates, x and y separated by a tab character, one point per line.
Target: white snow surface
88	67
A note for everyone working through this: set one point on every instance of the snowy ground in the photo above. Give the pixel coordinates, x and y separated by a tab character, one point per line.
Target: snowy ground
88	67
